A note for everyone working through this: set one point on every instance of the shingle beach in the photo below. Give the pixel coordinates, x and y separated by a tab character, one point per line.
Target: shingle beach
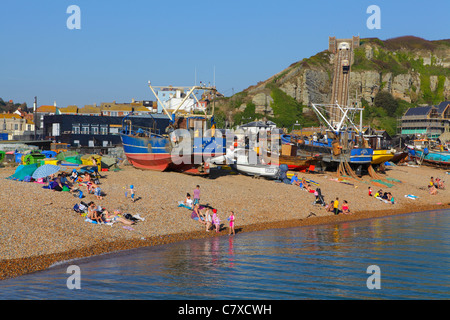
39	226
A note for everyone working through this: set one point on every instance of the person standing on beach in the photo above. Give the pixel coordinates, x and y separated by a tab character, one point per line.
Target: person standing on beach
208	220
370	191
197	195
231	219
216	220
336	206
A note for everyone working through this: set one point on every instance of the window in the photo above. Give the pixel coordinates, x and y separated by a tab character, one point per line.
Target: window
85	129
55	129
113	130
94	129
103	129
76	128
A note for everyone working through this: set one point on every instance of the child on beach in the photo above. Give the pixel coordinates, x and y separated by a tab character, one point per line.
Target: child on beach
216	220
336	206
132	193
74	176
231	219
197	195
97	191
188	203
208	219
370	191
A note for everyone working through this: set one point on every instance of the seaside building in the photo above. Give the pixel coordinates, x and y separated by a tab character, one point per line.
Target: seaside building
429	121
95	130
41	112
15	127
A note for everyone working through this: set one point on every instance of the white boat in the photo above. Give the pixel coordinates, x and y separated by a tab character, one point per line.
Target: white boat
258	170
247	162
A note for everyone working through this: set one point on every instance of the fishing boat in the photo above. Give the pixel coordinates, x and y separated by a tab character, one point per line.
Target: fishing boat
424	151
341	141
399	156
380	154
181	142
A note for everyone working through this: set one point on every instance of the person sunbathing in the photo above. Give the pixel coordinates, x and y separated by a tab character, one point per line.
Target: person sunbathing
116	217
432	190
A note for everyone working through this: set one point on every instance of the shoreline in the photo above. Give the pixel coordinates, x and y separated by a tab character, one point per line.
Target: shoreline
11	268
39	227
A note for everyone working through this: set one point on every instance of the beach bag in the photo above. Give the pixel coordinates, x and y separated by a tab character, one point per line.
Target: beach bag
27	179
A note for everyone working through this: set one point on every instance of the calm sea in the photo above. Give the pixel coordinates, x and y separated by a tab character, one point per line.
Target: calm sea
321	262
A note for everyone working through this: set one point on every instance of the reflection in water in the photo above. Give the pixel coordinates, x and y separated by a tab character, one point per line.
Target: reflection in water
312	262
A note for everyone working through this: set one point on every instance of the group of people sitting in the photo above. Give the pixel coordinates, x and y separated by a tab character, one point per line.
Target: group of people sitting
333	207
64	182
100	215
387	197
434	185
303	184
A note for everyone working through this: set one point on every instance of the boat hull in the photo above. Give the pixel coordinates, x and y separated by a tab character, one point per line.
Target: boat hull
361	156
153	153
381	156
266	171
294	163
432	157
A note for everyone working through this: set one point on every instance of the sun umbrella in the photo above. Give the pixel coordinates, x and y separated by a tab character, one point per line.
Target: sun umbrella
45	170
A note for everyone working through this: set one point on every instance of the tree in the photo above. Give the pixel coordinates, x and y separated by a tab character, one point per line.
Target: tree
385	100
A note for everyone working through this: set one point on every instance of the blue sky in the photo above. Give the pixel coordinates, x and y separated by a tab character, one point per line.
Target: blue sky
123	44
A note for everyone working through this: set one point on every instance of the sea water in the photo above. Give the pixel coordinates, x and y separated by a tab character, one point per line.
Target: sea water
410	254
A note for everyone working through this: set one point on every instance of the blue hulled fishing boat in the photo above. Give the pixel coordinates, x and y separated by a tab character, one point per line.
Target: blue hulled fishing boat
184	144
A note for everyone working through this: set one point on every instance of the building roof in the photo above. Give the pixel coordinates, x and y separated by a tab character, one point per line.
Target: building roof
69	109
46	109
419	111
442	106
88	109
10	116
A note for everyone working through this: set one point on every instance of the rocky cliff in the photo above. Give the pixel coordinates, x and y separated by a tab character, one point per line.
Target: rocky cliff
410	68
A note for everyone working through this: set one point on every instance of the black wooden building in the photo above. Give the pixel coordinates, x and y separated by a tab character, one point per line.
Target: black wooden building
96	131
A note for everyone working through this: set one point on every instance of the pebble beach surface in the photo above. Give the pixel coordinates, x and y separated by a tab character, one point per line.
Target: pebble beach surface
39	227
